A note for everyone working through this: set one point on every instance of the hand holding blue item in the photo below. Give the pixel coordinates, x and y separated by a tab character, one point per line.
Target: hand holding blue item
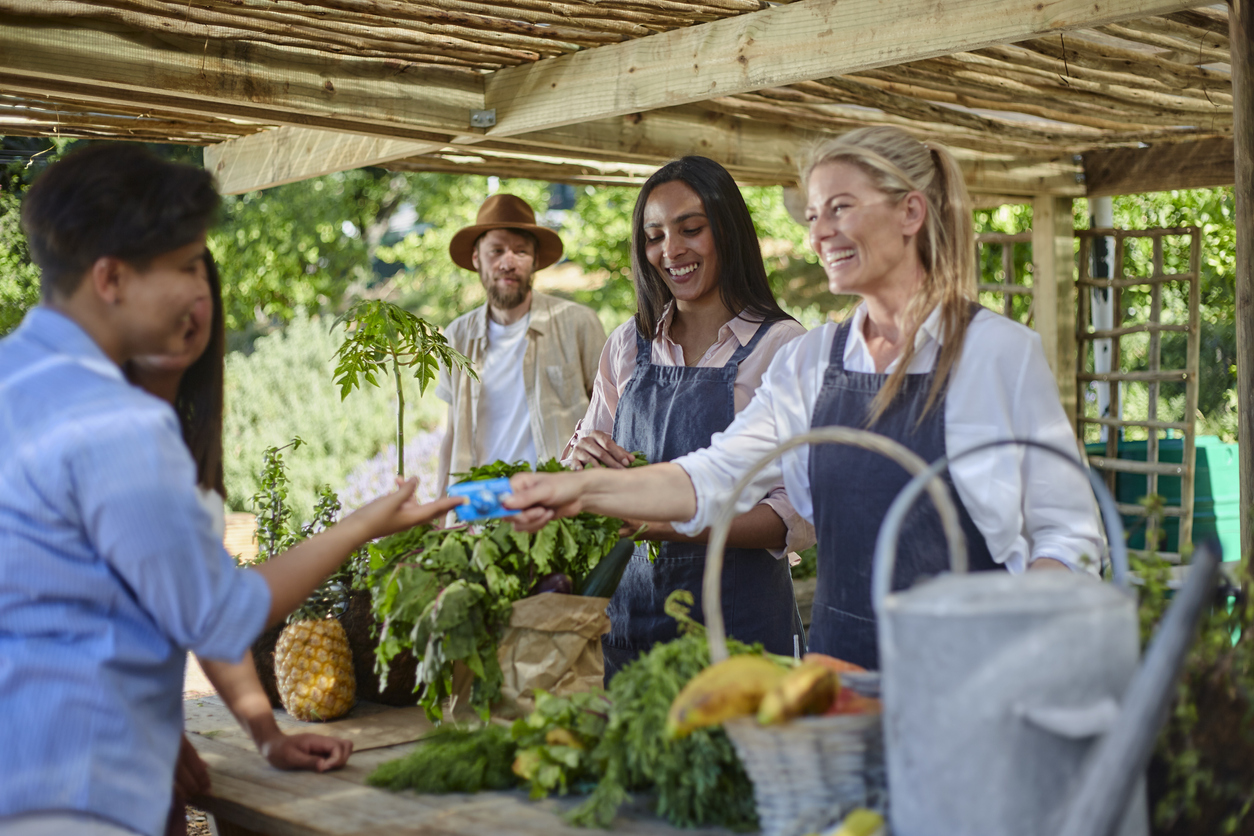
483	499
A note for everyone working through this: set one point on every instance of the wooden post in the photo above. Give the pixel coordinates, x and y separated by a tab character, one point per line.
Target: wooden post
1053	282
1241	33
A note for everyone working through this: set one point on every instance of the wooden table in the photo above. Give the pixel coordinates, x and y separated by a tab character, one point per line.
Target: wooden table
251	797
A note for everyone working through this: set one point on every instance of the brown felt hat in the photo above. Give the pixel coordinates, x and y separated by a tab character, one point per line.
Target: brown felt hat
505	211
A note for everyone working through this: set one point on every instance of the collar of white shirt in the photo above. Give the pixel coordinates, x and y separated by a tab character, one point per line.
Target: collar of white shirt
926	343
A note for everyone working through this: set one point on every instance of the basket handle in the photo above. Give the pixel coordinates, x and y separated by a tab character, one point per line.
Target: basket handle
890	529
712	604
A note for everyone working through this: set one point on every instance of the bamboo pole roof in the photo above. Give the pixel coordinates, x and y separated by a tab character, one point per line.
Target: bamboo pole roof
1020	112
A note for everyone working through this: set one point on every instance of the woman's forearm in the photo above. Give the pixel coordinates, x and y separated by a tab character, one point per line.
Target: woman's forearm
241	690
656	492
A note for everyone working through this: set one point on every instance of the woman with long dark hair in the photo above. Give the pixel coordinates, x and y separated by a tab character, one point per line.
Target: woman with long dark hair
706	328
192	383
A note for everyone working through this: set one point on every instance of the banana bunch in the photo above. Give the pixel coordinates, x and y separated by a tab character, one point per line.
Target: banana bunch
732	688
809	688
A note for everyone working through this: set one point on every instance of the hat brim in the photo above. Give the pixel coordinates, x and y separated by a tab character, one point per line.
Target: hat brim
548	244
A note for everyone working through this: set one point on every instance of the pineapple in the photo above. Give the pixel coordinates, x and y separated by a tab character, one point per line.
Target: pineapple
314	669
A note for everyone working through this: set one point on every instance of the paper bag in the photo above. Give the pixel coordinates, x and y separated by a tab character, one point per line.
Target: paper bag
553	642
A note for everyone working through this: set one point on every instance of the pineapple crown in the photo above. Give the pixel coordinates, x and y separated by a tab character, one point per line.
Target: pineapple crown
331	596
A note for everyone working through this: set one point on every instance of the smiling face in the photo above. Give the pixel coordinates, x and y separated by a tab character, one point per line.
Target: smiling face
864	238
505	261
165	308
679	242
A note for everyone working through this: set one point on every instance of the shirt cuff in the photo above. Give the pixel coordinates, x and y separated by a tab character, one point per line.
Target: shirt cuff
800	534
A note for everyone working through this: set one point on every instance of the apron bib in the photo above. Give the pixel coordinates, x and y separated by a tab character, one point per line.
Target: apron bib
667	412
852	489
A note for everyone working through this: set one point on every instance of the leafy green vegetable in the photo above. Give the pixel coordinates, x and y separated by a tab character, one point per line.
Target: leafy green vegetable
447	593
698	780
555	742
452	759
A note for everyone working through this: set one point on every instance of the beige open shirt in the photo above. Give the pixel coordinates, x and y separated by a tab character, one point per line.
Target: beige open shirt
564	342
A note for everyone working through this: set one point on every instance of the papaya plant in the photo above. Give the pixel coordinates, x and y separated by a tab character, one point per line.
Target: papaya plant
382	337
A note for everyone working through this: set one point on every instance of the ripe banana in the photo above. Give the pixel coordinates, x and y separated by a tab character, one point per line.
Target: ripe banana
860	822
809	688
732	688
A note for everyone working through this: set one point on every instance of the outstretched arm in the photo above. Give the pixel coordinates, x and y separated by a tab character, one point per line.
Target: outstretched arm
656	492
293	575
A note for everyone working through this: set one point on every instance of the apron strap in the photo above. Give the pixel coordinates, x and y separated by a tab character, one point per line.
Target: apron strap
837	360
747	349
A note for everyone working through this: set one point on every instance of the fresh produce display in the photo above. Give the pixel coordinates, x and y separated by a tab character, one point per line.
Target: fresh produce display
611	743
447	593
313	665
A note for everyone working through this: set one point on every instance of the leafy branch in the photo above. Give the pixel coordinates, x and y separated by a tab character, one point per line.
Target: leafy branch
382	338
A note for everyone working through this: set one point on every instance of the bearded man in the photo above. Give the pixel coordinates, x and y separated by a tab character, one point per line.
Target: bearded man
536	355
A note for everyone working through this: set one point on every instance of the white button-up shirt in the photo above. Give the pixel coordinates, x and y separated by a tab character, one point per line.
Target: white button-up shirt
1028	504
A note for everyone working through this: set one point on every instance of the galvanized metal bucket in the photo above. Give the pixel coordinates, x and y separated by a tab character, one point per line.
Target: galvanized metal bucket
998	689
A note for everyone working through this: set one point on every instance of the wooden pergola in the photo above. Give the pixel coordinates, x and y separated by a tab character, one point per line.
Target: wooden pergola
1043	101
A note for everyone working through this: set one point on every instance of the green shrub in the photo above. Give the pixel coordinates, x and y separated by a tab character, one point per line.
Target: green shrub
284	388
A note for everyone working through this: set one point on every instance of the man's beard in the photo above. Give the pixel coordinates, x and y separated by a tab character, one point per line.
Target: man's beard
507	298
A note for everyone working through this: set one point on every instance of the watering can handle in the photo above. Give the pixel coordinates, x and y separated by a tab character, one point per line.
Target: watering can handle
886	542
712	587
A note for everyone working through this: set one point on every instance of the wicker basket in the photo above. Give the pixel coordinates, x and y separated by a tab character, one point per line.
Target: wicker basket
807	774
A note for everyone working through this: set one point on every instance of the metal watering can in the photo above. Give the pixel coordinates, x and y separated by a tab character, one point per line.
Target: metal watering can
1003	693
1014	704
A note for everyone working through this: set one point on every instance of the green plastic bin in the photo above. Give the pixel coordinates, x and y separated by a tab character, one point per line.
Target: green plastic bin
1216	491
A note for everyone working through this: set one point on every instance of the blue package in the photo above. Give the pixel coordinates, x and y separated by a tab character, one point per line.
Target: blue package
483	499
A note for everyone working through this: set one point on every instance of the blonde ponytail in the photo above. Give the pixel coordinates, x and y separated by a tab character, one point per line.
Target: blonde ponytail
899	164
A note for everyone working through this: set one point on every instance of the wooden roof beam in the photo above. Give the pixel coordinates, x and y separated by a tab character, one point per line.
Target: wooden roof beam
107	64
1160	167
796	42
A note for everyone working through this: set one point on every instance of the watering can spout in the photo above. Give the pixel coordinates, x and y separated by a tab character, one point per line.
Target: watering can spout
1121	757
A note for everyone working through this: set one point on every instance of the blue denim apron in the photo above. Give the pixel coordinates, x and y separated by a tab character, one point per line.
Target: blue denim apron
666	412
852	489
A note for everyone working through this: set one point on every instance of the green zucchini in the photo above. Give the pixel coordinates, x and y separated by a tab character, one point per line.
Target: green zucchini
604	577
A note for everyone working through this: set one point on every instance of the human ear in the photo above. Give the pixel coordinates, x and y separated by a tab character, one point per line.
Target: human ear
474	256
105	277
914	206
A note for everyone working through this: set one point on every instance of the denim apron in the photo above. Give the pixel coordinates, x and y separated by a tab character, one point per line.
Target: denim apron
666	412
852	489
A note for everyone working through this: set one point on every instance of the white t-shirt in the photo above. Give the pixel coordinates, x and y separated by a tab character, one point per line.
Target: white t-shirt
504	427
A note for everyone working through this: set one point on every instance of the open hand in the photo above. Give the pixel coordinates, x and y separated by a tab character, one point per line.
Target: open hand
599	447
313	752
399	511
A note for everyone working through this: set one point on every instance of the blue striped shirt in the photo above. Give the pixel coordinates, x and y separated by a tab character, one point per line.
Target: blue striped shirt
109	573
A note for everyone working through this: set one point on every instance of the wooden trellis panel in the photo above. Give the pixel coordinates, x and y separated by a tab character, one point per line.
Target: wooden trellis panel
1154	375
1012	283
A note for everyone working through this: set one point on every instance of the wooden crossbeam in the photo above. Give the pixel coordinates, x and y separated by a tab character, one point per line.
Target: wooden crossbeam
103	63
785	44
1160	167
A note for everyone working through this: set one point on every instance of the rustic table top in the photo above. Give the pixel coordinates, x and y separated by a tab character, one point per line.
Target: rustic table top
250	796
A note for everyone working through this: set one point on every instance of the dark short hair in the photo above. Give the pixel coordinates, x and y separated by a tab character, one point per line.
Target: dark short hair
114	199
530	236
742	281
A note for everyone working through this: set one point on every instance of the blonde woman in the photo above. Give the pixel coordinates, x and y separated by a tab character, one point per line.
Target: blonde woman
920	362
